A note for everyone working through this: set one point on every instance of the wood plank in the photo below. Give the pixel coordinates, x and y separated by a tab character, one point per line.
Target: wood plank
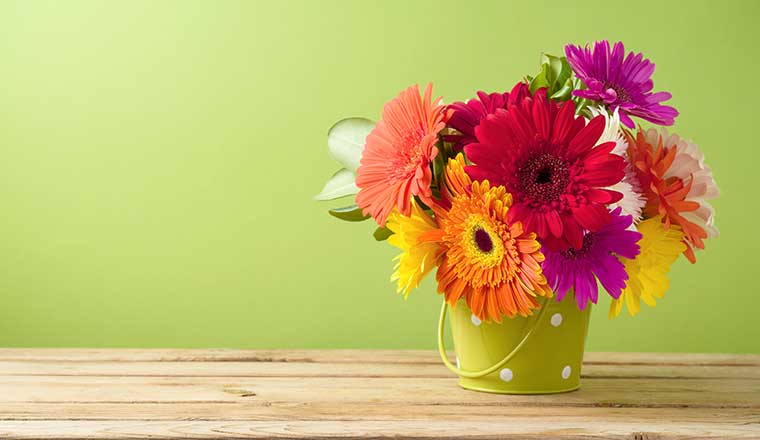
258	410
536	427
719	393
336	356
342	369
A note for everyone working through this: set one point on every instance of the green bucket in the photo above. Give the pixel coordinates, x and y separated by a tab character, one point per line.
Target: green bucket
540	354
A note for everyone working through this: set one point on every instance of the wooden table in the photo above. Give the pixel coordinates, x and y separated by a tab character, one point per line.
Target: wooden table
204	394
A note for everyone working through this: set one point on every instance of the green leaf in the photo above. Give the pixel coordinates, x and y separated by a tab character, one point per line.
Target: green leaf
341	184
564	93
350	214
554	67
382	234
539	81
345	141
556	76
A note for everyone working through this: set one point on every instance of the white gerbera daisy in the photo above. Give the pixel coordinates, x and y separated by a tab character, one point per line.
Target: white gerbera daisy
633	200
611	131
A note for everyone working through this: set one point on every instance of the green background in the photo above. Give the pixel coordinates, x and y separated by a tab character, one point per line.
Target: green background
158	159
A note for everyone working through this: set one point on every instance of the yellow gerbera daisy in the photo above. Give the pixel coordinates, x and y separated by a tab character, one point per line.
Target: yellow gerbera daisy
417	259
648	272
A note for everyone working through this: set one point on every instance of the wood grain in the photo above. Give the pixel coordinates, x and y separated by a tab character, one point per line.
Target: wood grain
168	394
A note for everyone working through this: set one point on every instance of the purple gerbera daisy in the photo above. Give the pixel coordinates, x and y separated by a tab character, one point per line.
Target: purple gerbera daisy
468	115
620	83
578	269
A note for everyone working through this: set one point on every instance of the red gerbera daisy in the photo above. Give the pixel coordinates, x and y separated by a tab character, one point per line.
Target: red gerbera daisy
549	160
467	116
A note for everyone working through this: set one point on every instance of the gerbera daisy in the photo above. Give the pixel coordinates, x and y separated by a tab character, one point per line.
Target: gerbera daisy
647	273
417	258
490	261
677	184
633	201
597	259
467	116
619	83
395	163
550	161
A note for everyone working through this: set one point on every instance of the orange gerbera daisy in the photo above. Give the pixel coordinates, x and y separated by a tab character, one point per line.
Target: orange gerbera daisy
395	163
676	184
494	264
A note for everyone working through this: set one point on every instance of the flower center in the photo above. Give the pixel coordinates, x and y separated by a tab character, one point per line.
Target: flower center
622	94
544	177
483	240
409	156
574	254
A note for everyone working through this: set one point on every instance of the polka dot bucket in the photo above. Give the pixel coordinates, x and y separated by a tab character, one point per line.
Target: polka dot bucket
540	354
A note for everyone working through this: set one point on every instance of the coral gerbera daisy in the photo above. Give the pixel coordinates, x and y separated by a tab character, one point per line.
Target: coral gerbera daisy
395	163
550	161
633	201
619	83
467	116
417	258
597	259
490	261
677	184
648	272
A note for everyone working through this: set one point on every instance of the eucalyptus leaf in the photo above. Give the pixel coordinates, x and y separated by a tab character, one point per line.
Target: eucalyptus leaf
382	234
350	214
345	141
341	184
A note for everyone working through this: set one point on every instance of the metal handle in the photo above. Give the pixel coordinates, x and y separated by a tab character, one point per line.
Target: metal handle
498	365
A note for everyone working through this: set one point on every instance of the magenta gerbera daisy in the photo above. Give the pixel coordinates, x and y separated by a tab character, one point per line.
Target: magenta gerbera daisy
620	83
467	116
550	161
579	269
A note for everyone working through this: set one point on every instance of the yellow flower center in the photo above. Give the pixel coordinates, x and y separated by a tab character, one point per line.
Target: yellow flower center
482	243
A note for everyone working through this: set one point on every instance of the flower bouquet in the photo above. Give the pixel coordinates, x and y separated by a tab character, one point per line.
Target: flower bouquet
524	202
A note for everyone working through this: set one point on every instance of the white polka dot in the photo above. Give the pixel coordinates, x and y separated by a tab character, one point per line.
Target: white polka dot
556	319
475	320
506	375
458	363
566	372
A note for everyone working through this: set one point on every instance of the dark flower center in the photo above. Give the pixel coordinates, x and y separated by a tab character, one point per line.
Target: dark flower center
622	94
572	254
544	177
483	240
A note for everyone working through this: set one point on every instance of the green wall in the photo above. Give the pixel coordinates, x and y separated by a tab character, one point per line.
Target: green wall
158	159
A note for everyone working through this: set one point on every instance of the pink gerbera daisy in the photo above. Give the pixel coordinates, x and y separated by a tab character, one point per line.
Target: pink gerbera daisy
550	161
395	163
620	83
579	269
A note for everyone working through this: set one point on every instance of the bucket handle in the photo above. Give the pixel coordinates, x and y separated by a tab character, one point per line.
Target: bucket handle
476	374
